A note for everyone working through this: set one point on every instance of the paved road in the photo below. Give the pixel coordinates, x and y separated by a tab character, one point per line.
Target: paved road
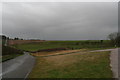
19	67
114	62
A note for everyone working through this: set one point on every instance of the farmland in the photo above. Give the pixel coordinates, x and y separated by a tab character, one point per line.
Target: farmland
82	64
91	44
12	42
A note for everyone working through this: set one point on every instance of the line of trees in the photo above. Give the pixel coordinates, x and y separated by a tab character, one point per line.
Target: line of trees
5	37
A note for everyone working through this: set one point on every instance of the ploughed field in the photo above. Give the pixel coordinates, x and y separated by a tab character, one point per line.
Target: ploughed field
12	42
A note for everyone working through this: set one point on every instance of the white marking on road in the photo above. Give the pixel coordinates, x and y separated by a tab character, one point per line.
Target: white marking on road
27	74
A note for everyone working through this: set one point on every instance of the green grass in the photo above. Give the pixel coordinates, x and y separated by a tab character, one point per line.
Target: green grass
8	57
84	65
64	44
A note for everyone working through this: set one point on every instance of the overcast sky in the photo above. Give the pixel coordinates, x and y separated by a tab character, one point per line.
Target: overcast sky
60	20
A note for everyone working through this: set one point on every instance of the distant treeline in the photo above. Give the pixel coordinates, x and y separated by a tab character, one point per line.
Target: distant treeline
5	37
16	38
113	37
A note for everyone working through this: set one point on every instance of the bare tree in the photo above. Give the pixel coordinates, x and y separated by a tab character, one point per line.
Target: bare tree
115	38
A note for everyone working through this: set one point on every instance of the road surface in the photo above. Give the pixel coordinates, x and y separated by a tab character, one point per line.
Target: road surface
18	67
114	62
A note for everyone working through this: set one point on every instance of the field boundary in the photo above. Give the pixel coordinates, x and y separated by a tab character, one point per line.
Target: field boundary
57	54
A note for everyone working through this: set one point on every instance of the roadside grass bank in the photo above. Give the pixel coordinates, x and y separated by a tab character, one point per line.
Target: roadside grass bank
8	57
80	65
9	53
71	45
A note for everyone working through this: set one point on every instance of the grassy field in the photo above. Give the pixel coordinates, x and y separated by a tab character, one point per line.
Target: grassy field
78	65
83	64
64	44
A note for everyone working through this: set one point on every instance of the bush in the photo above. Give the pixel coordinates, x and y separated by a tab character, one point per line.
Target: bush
115	38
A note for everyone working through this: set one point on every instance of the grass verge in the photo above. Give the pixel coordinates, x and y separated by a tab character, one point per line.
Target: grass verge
81	65
8	57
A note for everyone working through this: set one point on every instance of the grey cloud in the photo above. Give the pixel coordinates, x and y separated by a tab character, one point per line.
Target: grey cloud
60	21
